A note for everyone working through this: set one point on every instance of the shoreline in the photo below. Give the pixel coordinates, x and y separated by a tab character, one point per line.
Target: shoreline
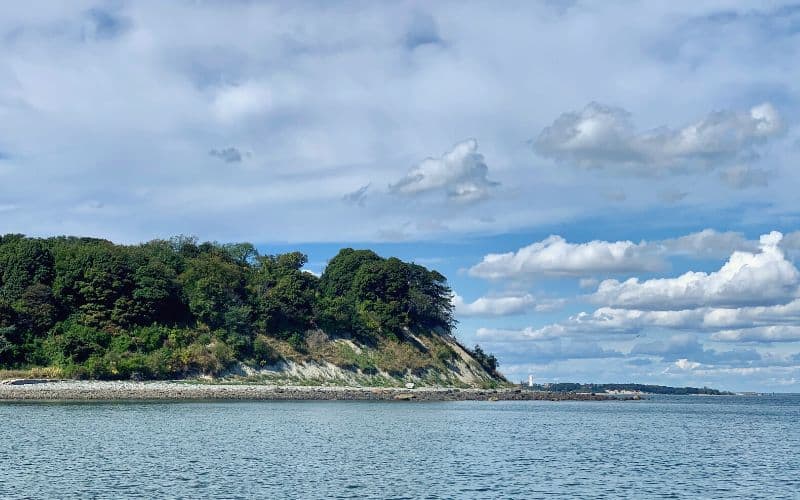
82	390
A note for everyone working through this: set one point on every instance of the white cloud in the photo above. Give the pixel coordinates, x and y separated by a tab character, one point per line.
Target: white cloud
615	321
232	103
708	243
519	346
772	333
526	334
340	101
752	298
689	346
555	256
791	243
494	306
604	136
764	278
461	172
685	364
505	305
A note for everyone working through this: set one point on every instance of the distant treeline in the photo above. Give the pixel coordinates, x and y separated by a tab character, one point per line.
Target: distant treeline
650	389
172	307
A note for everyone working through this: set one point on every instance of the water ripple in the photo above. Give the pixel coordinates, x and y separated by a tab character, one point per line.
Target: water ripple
666	448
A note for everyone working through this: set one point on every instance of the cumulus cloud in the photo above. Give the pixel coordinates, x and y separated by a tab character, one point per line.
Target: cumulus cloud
542	349
772	333
682	346
604	137
555	256
708	243
616	321
494	306
791	243
504	305
461	172
685	345
746	279
685	364
753	298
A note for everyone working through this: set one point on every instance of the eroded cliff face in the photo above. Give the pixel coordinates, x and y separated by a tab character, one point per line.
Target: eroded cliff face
424	360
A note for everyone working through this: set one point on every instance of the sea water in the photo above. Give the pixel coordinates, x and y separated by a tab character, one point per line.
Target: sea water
664	447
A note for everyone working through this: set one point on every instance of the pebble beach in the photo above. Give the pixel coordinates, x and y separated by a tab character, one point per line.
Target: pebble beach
81	390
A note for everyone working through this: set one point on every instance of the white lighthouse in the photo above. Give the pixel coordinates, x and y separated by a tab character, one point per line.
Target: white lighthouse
530	380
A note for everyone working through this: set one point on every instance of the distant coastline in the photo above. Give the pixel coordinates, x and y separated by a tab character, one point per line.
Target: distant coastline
573	387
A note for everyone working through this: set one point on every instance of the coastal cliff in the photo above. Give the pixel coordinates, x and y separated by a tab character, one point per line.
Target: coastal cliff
171	309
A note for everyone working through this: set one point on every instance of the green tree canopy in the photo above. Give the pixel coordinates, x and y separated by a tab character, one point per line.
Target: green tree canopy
168	306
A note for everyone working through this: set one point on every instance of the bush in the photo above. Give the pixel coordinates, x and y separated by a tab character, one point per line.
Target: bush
444	353
263	353
297	342
487	361
71	342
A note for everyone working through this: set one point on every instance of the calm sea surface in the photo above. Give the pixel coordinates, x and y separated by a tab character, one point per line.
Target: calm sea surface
665	447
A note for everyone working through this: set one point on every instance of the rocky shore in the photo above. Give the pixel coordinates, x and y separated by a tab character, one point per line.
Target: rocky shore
76	390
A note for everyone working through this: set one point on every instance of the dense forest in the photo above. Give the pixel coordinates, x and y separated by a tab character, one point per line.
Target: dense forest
168	308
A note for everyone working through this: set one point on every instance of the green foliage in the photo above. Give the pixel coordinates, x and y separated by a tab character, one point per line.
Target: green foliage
90	308
366	294
444	354
23	262
263	353
487	361
297	342
212	284
71	343
283	294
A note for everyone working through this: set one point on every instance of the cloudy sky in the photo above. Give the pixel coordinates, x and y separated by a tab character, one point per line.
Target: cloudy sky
611	187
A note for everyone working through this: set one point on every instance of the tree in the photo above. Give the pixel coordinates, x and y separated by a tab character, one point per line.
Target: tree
380	289
212	284
23	262
171	306
283	294
487	361
337	279
36	309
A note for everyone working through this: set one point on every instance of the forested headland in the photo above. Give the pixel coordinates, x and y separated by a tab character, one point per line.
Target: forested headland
174	308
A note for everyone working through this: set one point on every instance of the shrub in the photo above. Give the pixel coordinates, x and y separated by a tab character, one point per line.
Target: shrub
263	352
297	342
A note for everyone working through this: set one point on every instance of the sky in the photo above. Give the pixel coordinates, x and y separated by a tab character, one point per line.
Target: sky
610	187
